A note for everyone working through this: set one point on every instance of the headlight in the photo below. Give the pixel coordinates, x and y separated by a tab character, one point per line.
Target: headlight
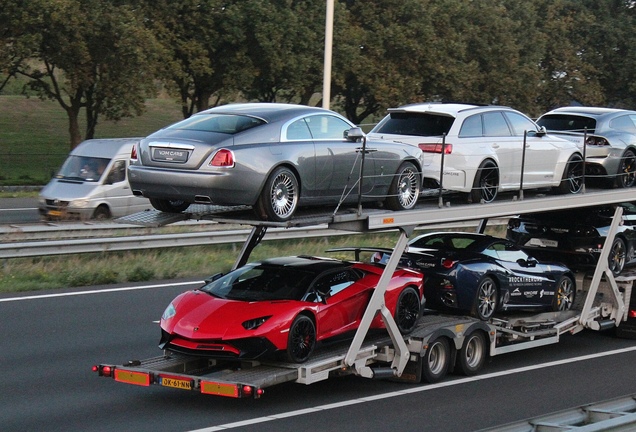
79	203
255	323
169	312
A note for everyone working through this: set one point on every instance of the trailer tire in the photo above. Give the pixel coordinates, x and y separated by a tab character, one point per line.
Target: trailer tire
472	355
407	310
301	340
436	360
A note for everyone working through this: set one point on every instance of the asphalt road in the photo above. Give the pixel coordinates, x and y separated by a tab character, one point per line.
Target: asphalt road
19	210
49	344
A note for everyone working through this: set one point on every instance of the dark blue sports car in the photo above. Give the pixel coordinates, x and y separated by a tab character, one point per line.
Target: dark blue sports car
481	274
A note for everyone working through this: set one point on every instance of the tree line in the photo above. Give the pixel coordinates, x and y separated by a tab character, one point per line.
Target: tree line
104	58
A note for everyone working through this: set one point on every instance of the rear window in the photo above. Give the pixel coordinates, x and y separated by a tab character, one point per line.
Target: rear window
417	124
221	123
562	122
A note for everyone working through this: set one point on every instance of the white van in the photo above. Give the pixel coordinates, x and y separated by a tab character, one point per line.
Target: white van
92	183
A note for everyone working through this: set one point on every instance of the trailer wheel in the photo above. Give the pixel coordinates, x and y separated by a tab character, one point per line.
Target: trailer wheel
436	360
301	340
564	295
407	310
473	354
486	300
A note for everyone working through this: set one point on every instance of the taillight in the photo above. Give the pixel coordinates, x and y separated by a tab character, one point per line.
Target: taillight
632	313
448	263
596	141
133	152
223	158
436	148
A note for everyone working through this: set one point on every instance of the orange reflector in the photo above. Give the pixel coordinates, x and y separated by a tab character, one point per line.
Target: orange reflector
131	377
219	389
388	220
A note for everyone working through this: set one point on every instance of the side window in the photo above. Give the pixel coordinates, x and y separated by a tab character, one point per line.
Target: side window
333	283
520	123
298	130
506	252
117	172
623	123
327	127
472	127
495	125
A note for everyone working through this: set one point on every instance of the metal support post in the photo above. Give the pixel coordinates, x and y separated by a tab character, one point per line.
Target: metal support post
376	303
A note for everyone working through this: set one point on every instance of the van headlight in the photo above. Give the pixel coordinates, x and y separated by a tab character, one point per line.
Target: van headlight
79	203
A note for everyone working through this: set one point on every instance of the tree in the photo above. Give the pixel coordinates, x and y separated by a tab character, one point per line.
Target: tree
85	54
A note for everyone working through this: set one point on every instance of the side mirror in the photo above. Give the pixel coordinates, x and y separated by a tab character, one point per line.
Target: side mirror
542	131
530	262
354	134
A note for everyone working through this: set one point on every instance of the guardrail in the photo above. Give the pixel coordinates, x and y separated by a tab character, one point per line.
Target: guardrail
24	249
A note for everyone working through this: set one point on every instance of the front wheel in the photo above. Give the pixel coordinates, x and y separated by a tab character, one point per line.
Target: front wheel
473	354
405	188
436	360
564	295
301	340
169	206
572	180
486	300
486	183
279	197
101	213
407	310
617	256
626	175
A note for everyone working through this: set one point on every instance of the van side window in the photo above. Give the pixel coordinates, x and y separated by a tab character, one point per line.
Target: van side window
117	172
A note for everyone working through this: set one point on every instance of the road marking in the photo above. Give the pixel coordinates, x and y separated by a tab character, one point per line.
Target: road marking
102	291
416	389
18	209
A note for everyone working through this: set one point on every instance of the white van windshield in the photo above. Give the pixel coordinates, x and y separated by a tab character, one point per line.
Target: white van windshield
83	168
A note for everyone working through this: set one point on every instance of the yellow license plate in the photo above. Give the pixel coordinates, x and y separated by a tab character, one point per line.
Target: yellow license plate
176	383
132	377
219	389
55	213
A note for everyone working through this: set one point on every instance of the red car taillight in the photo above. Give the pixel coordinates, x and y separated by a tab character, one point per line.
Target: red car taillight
436	148
133	152
632	313
223	158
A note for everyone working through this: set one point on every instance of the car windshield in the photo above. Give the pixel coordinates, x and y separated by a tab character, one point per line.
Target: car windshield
255	282
417	124
83	168
572	123
221	123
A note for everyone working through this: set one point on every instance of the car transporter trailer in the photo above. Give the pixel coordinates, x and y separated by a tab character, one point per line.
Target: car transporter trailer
440	343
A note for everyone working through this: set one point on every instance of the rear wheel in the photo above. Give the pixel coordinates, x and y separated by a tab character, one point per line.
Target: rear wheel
617	256
301	340
405	188
564	295
572	180
407	310
279	198
436	360
486	183
626	175
473	354
169	206
486	300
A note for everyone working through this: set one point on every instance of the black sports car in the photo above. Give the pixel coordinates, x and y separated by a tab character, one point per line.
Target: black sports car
482	274
576	237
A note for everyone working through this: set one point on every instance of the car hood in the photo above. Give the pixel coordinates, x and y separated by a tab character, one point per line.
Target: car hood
68	190
200	315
